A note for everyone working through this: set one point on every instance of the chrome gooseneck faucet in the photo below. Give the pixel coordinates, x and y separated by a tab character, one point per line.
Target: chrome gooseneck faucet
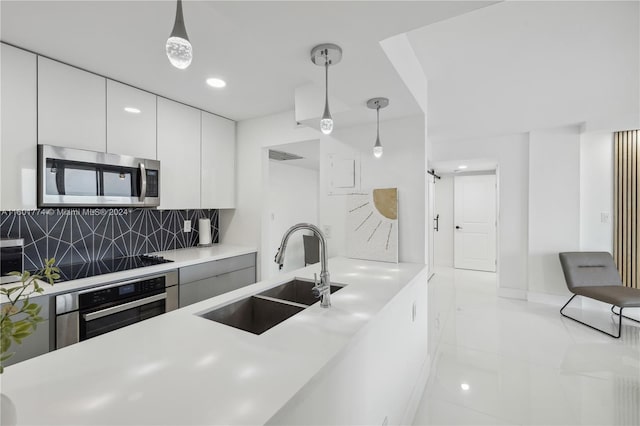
324	287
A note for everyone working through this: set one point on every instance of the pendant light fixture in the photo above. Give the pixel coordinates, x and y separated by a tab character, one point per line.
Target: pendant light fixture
325	55
178	47
377	103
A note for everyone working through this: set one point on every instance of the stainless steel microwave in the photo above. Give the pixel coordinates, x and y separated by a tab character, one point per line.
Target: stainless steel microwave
77	178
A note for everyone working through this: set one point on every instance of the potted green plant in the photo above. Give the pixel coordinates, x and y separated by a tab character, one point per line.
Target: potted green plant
19	317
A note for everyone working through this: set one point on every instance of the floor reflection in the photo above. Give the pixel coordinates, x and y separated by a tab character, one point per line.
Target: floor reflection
504	361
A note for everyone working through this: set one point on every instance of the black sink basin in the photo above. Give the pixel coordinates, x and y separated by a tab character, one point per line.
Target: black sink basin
253	314
298	291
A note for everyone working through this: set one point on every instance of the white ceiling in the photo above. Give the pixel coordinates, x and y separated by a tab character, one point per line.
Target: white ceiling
520	66
260	48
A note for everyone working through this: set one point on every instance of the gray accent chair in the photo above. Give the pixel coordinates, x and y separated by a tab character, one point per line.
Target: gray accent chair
594	275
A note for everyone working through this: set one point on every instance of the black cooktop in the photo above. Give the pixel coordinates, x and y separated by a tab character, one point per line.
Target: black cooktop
76	271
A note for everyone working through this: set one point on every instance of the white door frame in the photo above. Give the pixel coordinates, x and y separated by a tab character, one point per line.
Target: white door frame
431	188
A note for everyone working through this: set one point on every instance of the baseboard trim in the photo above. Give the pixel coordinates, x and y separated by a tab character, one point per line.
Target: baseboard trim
512	293
547	299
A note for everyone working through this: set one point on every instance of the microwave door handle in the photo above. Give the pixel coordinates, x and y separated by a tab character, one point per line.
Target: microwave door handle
143	182
60	178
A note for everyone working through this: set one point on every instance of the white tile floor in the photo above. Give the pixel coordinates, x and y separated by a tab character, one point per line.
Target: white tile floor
521	362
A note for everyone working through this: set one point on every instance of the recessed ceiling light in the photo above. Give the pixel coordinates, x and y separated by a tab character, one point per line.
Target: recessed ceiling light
462	167
216	82
132	110
464	386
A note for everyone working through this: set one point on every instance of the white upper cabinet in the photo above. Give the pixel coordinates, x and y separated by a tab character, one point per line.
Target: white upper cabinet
71	107
131	121
18	138
218	162
179	155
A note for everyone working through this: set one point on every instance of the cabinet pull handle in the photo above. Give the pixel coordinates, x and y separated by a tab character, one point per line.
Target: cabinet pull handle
143	182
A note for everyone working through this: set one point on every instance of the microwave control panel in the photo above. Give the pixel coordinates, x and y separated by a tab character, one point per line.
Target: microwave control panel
152	183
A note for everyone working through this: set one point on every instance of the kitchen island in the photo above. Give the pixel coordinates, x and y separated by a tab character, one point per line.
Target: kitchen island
364	360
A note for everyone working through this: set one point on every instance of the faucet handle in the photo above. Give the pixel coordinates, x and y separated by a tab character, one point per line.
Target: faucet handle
316	286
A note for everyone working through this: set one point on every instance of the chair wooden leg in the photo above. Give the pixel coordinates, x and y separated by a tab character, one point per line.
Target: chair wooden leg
590	326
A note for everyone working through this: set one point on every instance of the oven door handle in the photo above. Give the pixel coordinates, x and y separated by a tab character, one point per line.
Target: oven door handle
125	306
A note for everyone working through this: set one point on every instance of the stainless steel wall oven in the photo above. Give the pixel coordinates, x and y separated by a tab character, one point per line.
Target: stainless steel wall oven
91	312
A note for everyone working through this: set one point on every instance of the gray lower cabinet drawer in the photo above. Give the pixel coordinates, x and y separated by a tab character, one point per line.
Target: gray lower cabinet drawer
195	291
217	267
38	342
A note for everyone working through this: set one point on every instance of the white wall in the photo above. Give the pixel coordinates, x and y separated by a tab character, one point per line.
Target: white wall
443	244
402	165
511	153
403	57
292	197
553	187
244	224
596	191
554	205
514	77
401	54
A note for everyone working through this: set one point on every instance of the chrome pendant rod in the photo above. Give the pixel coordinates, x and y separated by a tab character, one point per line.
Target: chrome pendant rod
179	29
326	113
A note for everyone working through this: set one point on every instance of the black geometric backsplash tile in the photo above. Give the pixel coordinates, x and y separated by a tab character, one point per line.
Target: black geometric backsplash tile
10	226
59	240
35	236
103	237
74	236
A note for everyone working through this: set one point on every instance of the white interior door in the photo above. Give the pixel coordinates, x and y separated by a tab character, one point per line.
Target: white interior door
475	222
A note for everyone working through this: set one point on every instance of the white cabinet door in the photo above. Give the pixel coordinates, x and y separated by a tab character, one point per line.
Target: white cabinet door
179	155
131	121
18	139
71	107
218	162
197	291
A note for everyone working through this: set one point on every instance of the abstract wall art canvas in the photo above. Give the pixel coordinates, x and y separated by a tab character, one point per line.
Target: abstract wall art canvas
372	225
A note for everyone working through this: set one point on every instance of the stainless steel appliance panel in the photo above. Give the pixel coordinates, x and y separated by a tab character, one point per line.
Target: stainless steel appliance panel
67	329
69	301
91	312
73	177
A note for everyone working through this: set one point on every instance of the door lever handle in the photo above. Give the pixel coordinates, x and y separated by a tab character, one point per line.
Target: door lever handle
458	227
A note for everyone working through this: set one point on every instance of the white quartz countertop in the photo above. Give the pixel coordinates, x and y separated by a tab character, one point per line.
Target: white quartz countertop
181	369
180	257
